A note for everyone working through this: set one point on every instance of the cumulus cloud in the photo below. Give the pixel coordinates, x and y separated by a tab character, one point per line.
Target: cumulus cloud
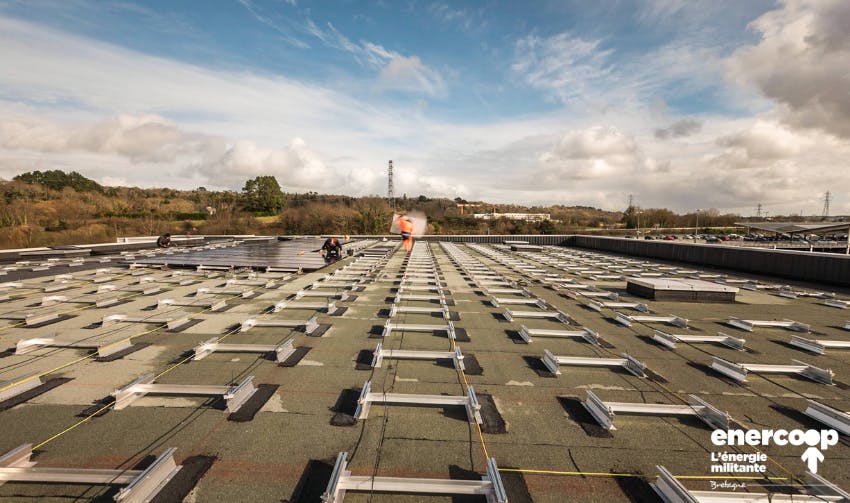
680	128
154	140
140	138
597	152
765	141
801	63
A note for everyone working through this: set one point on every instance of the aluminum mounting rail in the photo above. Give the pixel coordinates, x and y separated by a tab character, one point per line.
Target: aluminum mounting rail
269	283
31	319
310	325
395	309
525	301
817	346
819	490
244	293
328	307
140	486
670	340
235	396
103	348
627	320
214	306
389	327
587	334
840	304
22	384
604	412
282	351
793	294
613	296
367	398
609	277
103	301
598	306
628	362
749	325
510	315
399	297
335	284
490	486
342	296
402	354
829	416
420	288
171	322
514	290
573	286
494	282
739	371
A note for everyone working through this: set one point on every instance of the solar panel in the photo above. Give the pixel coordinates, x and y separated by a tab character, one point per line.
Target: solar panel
289	255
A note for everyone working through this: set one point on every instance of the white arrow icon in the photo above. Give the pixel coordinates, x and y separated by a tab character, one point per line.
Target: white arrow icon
812	456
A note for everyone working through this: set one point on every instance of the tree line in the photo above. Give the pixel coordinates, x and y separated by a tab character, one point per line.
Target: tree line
48	208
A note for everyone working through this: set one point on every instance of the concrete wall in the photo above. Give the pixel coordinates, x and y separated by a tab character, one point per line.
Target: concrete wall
828	268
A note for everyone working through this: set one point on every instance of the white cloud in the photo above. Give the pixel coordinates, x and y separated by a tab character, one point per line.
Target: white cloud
765	141
801	63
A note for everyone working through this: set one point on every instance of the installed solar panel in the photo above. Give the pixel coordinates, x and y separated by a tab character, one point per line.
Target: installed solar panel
289	255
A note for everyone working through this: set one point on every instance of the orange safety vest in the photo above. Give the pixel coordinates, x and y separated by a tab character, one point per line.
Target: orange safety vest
405	225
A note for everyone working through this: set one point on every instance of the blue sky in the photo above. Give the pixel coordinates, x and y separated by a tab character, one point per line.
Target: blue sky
681	103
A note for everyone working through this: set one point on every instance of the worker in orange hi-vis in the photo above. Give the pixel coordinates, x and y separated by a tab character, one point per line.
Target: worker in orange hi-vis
405	226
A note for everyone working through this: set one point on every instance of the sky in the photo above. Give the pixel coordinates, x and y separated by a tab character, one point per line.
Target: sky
683	104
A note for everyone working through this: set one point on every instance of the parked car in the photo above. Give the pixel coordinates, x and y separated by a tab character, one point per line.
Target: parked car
648	237
712	239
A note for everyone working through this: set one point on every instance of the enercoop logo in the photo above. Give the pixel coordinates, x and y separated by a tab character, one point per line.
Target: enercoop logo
736	462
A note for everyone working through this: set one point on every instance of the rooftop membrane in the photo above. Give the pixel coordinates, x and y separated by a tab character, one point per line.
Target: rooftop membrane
405	373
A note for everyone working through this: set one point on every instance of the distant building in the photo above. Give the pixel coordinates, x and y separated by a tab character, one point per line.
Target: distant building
527	217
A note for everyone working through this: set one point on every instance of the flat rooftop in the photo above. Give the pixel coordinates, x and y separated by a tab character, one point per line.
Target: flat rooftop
281	445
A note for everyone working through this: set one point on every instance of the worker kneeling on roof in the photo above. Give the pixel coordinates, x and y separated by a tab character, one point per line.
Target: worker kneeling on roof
331	250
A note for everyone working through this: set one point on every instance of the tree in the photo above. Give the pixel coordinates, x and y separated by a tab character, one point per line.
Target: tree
263	195
57	180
